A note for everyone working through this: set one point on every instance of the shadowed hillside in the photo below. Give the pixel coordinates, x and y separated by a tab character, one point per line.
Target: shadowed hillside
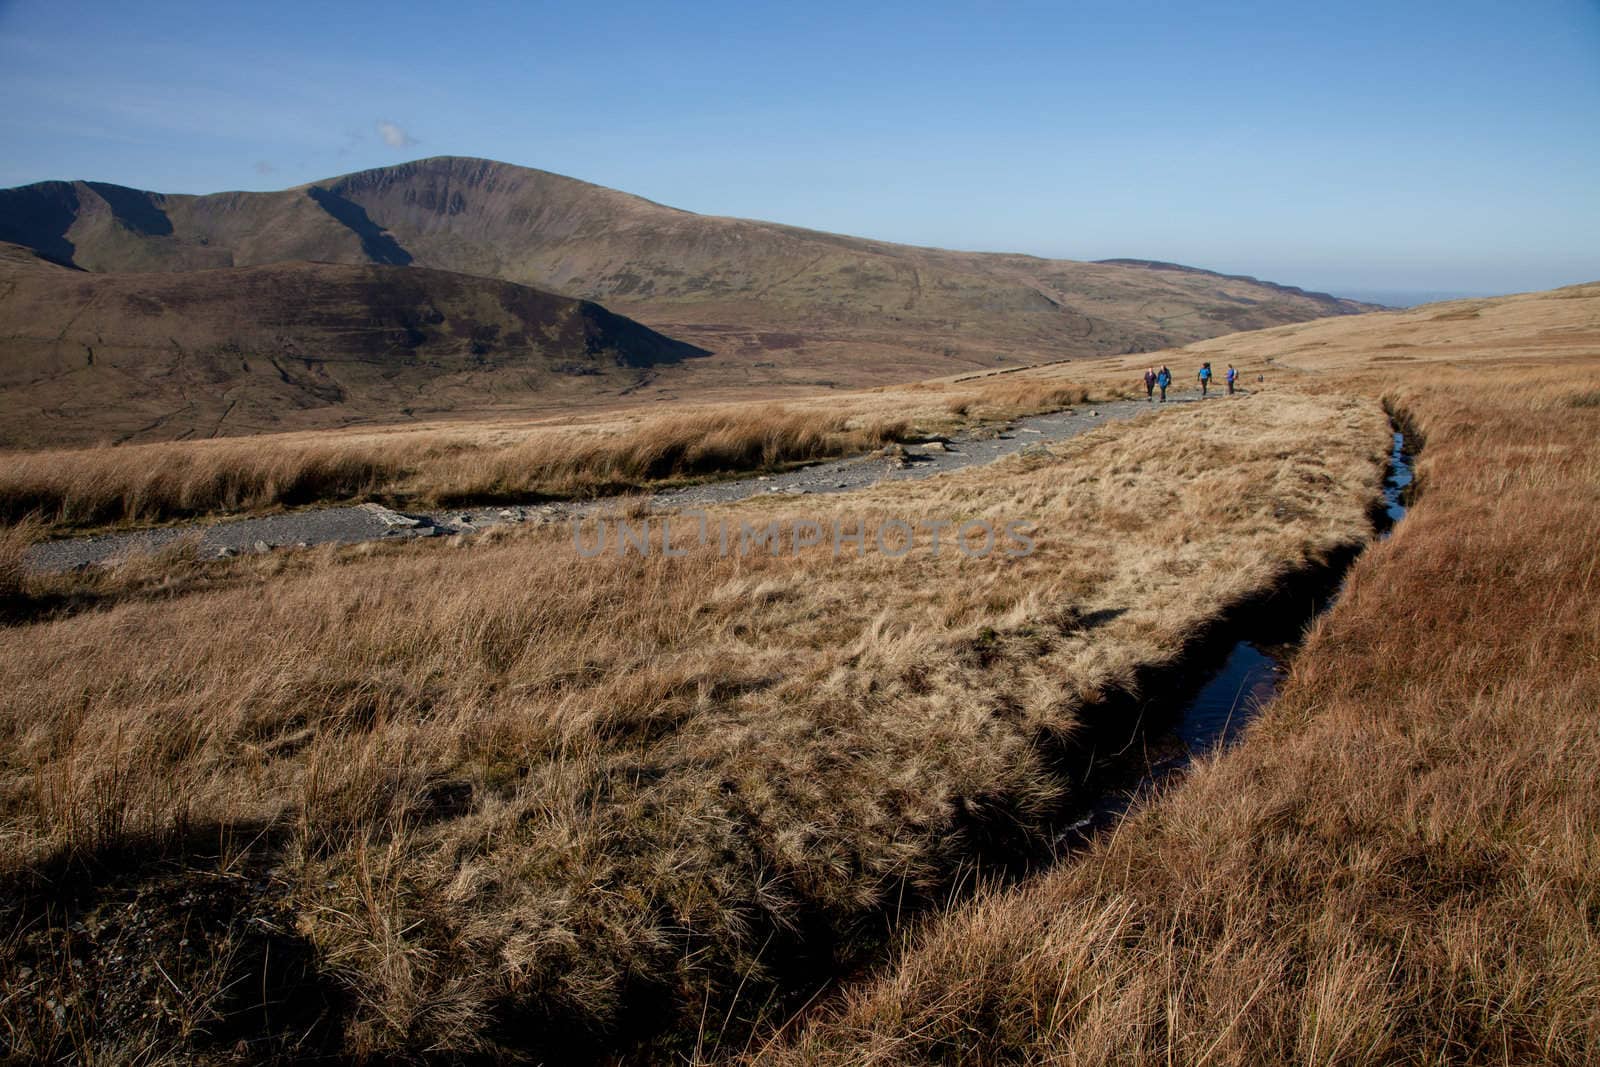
16	257
90	357
783	304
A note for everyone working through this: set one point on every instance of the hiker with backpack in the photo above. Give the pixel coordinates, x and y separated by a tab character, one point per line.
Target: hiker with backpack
1232	374
1205	378
1163	380
1150	384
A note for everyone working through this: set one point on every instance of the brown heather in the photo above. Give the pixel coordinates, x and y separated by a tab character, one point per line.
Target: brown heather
505	798
1401	861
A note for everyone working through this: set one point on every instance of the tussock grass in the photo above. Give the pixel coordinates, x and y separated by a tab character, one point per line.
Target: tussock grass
665	449
174	569
153	483
1399	864
156	483
512	797
14	542
1009	398
441	467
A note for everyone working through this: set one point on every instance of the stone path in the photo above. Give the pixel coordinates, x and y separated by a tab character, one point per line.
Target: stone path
370	522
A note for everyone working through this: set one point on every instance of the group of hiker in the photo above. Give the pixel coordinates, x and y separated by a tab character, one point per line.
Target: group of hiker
1162	380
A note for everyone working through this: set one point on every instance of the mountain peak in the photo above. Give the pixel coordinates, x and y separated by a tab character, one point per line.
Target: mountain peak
763	295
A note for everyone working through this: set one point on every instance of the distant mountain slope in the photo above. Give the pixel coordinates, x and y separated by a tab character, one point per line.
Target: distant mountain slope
17	256
760	294
1286	290
107	357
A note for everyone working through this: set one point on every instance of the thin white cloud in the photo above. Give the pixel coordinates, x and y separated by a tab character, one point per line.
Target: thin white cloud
393	135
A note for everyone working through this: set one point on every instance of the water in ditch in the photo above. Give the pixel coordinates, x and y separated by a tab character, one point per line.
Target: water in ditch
1249	675
1216	706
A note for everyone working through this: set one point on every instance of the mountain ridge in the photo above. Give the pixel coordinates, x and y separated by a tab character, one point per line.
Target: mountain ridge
673	269
780	310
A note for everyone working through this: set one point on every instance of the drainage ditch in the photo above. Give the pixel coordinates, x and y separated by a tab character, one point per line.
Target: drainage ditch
1207	709
1128	746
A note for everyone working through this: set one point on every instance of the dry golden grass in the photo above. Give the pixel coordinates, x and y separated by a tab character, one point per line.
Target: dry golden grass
14	542
508	797
1501	339
1003	398
156	483
441	466
1400	864
494	797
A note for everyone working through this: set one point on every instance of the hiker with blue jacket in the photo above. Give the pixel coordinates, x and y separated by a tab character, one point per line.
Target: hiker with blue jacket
1205	378
1163	380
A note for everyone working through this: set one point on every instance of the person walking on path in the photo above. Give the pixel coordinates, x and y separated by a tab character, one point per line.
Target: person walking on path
1232	375
1163	380
1150	384
1205	378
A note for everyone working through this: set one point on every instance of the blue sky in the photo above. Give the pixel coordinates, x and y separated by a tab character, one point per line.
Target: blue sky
1359	146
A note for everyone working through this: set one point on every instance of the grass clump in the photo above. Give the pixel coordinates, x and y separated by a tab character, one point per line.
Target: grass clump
1014	398
142	484
14	543
663	450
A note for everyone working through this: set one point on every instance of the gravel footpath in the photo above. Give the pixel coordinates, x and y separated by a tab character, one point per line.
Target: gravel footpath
370	522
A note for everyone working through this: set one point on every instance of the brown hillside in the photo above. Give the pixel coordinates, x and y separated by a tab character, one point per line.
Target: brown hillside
17	257
96	357
778	303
